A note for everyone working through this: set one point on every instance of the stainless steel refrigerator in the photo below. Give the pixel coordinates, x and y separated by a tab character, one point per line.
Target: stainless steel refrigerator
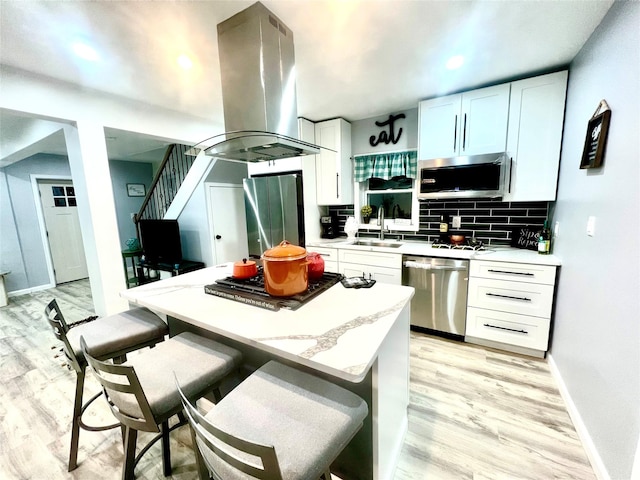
274	207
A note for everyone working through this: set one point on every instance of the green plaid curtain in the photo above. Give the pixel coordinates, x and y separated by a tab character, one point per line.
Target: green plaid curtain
385	165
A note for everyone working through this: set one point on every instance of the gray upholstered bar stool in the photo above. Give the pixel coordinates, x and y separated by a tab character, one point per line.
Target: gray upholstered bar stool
107	337
142	392
278	424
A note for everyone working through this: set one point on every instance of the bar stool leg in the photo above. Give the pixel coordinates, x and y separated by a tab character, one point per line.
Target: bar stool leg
129	454
166	451
75	423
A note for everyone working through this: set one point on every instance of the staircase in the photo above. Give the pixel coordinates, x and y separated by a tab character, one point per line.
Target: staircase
166	183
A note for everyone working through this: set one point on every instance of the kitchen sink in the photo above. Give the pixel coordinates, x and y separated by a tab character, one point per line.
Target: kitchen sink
377	243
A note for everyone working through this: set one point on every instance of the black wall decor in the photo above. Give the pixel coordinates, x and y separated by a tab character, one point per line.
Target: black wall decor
596	138
390	136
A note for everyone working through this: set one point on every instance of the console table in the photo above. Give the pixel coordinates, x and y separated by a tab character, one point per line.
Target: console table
185	266
134	257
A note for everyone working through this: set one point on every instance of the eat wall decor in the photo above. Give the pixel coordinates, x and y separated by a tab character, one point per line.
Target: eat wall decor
388	135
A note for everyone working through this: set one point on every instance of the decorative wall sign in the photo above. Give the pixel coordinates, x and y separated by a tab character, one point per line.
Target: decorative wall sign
596	138
390	136
136	189
526	237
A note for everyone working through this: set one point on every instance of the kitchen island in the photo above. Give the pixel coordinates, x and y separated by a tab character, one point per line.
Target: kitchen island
357	338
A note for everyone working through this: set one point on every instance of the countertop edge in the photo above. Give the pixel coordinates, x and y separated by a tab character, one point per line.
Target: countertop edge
493	253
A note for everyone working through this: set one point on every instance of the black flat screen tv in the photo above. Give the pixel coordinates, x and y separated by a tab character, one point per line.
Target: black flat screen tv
161	241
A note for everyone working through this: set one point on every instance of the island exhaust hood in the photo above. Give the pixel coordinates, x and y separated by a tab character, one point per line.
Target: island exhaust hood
257	68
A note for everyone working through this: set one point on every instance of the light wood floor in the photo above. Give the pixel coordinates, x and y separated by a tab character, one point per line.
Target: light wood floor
475	413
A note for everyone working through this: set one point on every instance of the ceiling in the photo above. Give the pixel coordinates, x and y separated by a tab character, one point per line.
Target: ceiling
354	58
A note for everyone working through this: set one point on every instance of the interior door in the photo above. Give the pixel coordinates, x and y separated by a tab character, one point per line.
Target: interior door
63	230
227	222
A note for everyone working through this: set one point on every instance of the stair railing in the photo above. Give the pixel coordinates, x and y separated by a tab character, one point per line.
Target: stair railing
166	182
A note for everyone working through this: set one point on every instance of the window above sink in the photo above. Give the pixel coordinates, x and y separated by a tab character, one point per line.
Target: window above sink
395	194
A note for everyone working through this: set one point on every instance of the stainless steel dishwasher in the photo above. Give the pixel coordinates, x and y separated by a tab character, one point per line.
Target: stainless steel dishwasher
440	301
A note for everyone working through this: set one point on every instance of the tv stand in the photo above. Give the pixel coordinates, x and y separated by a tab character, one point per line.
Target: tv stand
185	266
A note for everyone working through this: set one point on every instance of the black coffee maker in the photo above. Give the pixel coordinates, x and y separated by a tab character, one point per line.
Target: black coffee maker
329	226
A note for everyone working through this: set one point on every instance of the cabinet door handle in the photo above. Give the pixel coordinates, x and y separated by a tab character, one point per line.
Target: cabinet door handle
510	172
337	185
455	133
464	132
528	274
508	329
524	299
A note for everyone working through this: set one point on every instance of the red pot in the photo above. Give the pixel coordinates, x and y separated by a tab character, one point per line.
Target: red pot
316	266
285	270
245	269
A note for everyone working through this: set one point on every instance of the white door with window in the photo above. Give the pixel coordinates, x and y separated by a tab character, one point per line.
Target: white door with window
227	222
63	230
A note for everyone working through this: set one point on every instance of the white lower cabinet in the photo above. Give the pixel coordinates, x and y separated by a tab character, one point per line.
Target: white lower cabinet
508	328
509	296
380	266
509	305
330	257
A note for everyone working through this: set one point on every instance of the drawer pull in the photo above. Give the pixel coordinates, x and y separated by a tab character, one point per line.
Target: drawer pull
528	274
524	299
508	329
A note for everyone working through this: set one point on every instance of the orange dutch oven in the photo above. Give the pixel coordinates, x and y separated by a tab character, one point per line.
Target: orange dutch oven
245	269
285	270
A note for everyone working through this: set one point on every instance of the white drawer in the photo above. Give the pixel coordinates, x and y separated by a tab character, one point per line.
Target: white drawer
508	296
391	276
328	254
518	272
509	328
378	259
330	266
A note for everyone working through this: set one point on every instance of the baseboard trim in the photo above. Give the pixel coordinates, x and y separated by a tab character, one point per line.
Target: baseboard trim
26	291
581	429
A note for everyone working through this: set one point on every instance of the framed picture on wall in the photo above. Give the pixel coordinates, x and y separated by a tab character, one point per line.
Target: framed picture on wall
596	138
136	189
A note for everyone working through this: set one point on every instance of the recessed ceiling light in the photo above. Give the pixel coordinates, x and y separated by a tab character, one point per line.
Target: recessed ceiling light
185	62
85	51
455	62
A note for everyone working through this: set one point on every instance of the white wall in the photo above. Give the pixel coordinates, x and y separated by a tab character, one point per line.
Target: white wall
362	130
596	340
88	113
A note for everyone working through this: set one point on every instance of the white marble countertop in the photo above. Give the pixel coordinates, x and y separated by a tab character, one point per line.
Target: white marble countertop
339	332
410	247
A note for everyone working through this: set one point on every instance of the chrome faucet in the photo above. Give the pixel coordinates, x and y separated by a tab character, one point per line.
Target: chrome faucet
381	221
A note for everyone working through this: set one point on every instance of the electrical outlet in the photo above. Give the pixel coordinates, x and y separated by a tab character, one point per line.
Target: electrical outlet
456	221
556	229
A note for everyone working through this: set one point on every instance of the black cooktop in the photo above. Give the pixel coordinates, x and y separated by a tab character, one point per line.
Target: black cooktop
251	291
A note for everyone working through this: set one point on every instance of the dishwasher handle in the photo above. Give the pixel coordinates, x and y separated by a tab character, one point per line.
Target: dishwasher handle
428	266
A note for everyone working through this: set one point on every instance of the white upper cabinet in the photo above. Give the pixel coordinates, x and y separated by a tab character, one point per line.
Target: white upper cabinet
334	167
536	117
469	123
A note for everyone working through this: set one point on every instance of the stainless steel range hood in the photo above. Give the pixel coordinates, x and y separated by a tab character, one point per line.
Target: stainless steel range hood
257	66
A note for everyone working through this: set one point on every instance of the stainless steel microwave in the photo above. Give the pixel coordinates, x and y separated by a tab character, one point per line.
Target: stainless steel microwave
477	176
